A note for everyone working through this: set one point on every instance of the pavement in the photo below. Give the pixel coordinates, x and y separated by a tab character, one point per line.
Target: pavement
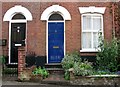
51	81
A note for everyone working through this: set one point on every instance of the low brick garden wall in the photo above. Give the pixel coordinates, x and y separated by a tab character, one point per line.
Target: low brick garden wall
99	80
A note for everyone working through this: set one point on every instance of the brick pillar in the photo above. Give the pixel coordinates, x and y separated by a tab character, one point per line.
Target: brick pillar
21	60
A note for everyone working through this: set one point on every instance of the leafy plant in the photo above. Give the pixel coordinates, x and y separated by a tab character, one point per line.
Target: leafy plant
83	68
67	75
10	71
74	61
2	59
39	71
107	55
118	55
101	72
69	60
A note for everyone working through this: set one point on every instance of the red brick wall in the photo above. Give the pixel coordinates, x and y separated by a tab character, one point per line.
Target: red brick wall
116	7
36	29
21	60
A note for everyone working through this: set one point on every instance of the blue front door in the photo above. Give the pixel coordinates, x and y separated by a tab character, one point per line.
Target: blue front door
55	42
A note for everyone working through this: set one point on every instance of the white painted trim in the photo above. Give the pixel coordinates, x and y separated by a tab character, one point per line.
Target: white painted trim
92	9
47	37
47	40
102	30
64	40
14	21
17	9
18	21
53	9
9	41
89	50
13	63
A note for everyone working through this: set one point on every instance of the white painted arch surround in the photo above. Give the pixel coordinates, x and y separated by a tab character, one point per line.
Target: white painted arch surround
17	9
47	13
55	8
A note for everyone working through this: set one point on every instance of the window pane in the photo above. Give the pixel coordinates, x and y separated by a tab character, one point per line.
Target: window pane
86	22
86	40
18	16
55	17
97	23
95	40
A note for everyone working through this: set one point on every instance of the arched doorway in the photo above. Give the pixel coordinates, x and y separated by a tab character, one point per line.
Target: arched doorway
17	30
17	36
55	38
55	16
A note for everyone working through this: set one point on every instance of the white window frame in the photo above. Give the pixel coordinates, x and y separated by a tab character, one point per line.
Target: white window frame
92	31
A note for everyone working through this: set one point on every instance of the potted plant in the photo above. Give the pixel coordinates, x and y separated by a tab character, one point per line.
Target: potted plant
38	74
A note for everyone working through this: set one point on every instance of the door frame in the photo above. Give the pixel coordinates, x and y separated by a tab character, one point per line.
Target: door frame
47	37
15	21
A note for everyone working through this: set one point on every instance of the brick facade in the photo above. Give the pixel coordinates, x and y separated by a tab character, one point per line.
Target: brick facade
36	29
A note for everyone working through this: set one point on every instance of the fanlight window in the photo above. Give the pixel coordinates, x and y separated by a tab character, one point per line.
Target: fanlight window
55	17
18	16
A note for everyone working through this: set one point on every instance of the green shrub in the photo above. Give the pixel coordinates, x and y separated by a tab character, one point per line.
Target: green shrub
83	69
10	71
39	71
67	75
118	55
74	61
69	60
2	59
101	72
107	57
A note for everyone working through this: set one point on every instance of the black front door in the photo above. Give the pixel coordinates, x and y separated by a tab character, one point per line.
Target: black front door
18	34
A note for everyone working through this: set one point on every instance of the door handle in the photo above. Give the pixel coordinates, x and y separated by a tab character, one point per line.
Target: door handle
24	41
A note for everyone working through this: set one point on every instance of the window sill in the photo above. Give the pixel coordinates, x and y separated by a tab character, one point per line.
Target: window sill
89	50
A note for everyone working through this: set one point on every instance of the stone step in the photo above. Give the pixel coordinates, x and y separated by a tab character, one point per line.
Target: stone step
53	65
12	65
54	69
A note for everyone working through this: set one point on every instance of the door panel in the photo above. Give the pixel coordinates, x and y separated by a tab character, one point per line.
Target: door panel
55	42
18	31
